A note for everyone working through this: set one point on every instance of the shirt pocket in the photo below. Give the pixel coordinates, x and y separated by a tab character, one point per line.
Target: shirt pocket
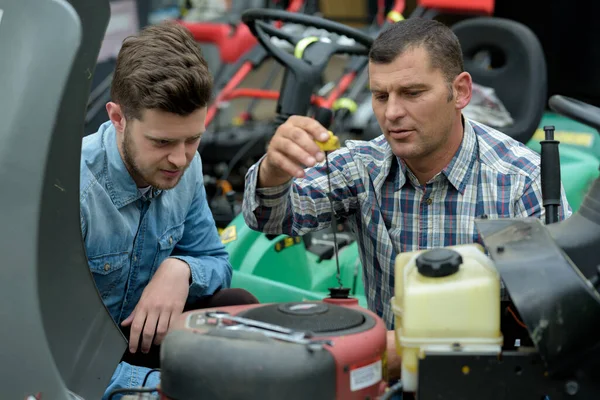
108	271
166	243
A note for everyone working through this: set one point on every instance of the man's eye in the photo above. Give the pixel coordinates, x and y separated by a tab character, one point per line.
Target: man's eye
413	94
161	142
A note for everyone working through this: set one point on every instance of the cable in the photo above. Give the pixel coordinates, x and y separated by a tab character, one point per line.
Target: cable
514	315
131	390
148	374
396	388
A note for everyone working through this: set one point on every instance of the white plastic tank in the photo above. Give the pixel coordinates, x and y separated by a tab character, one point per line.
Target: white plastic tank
445	300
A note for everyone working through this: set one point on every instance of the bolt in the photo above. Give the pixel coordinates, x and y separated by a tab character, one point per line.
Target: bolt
500	249
571	388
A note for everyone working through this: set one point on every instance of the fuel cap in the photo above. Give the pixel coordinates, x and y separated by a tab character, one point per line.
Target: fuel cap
437	263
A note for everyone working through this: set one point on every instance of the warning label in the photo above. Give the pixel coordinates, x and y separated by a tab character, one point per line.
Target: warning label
366	376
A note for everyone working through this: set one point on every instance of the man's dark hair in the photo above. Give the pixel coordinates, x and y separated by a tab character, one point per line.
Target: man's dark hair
161	68
437	39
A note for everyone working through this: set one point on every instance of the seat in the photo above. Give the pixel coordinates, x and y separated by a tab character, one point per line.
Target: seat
517	71
58	340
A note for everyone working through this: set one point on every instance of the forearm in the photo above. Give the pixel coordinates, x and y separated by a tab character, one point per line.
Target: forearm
209	273
129	376
201	248
298	206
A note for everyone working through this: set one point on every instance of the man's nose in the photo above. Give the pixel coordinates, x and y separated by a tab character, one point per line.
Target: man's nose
394	109
178	157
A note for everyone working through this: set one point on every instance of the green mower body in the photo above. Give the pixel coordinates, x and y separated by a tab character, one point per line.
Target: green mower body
279	268
283	269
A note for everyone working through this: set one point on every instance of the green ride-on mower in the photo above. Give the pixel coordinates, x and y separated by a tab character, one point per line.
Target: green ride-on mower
258	259
262	262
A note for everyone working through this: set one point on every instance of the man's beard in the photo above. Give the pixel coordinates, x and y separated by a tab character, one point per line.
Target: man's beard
129	156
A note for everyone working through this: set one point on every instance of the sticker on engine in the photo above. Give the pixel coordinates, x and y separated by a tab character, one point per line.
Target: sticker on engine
365	376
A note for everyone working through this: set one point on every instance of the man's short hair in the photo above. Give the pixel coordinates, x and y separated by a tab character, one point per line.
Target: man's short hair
437	39
161	68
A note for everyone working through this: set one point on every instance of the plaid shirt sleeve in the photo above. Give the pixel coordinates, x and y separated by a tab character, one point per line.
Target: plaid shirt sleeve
302	205
531	203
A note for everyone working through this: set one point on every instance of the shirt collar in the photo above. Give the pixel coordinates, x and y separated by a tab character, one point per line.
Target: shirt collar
458	171
121	186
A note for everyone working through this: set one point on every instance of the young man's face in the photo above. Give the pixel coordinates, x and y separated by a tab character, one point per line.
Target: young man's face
159	146
414	104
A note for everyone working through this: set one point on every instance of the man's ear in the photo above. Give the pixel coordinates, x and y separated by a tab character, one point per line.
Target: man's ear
116	116
462	87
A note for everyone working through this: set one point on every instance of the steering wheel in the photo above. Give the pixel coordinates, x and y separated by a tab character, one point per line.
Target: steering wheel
311	54
578	110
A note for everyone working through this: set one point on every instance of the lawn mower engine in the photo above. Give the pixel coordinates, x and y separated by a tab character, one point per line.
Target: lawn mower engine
462	336
330	349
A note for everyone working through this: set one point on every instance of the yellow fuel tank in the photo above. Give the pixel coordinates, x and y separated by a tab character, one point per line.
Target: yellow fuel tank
445	300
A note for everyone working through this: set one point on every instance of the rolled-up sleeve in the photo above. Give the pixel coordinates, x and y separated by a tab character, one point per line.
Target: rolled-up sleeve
303	204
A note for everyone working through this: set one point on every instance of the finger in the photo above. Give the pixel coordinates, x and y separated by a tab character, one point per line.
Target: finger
290	167
164	321
136	329
129	319
296	154
307	145
172	318
311	126
149	330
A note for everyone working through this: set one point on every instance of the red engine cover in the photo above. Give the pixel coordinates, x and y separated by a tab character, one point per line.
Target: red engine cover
360	358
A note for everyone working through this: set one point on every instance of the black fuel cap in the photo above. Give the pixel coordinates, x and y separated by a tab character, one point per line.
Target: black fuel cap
440	262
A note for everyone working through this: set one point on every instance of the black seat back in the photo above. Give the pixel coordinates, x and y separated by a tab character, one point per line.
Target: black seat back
57	337
518	68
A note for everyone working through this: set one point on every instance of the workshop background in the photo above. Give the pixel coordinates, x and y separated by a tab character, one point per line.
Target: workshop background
568	31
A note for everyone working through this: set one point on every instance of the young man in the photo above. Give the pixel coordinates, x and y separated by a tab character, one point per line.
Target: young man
421	184
150	238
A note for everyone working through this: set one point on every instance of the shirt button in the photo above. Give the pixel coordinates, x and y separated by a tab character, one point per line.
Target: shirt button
106	266
429	201
134	258
171	240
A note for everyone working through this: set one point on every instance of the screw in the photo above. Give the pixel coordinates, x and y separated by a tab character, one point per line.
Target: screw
500	249
571	388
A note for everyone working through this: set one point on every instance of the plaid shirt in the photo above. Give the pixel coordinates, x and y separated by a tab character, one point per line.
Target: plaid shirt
390	212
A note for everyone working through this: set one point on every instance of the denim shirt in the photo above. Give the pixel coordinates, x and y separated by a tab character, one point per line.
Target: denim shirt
128	235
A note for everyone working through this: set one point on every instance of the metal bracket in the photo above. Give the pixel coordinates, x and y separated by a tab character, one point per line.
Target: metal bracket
227	321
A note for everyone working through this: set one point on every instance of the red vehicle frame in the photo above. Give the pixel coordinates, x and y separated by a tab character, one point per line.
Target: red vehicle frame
231	90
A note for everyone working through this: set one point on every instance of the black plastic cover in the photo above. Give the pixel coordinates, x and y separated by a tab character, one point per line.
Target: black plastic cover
559	306
225	365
